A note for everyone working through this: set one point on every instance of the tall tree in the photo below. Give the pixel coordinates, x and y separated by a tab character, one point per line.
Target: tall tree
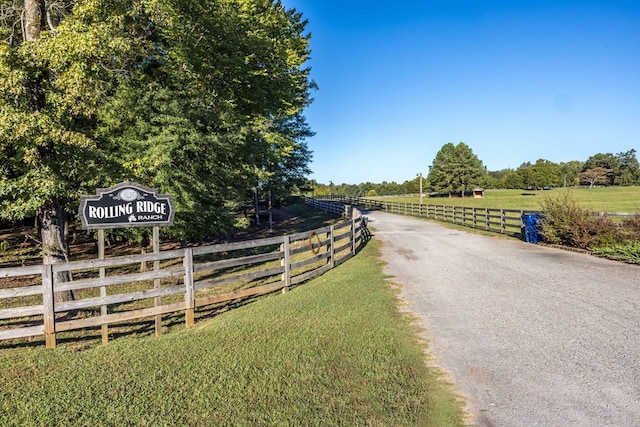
198	98
542	173
603	161
455	169
222	116
54	76
597	175
628	172
570	171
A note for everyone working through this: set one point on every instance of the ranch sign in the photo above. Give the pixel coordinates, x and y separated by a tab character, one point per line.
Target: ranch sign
126	205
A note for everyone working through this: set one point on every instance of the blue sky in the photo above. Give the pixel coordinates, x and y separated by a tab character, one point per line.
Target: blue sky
515	80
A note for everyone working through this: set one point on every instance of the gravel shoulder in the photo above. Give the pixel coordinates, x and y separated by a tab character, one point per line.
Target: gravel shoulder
531	335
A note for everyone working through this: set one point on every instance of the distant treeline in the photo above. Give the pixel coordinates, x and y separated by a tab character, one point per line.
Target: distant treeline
457	169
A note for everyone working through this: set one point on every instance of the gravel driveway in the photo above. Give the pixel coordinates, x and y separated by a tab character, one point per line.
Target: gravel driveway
531	336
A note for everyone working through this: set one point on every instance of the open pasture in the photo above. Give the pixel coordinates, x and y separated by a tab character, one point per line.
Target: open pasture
605	199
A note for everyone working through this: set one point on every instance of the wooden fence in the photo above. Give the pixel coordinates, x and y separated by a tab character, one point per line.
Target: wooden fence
121	289
504	221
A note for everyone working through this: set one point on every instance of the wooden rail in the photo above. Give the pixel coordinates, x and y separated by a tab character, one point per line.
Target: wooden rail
188	280
504	221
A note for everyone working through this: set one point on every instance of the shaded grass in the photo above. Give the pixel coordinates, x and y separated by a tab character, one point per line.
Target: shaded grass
313	218
334	351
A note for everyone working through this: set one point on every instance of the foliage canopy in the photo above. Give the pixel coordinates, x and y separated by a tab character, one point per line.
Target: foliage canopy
202	99
455	169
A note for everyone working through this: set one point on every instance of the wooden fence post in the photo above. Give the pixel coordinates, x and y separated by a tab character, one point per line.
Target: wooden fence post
156	282
285	261
189	296
332	246
355	233
487	220
47	305
104	329
503	222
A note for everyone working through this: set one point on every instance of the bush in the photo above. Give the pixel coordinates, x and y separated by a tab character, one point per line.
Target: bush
631	229
566	223
629	252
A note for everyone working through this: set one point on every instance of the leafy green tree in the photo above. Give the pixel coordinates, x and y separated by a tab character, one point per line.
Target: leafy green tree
541	174
411	186
223	112
628	172
570	171
54	78
602	161
505	178
202	99
455	169
597	175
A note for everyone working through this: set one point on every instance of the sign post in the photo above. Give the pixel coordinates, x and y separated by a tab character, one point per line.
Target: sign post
122	206
103	289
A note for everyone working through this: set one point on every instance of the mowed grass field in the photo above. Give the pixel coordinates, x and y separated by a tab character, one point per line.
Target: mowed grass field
332	352
605	199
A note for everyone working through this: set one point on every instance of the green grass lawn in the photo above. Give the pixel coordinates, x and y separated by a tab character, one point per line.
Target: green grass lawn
332	352
606	199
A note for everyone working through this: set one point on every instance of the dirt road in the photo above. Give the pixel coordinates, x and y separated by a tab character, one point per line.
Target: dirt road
532	336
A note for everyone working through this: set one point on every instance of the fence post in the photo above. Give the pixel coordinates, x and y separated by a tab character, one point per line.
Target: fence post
332	247
487	220
103	289
189	295
47	305
285	261
157	301
503	222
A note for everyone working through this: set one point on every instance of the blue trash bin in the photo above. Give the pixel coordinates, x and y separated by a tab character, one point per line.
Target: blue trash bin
532	227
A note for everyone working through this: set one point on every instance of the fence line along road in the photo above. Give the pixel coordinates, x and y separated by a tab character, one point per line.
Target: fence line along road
120	289
504	221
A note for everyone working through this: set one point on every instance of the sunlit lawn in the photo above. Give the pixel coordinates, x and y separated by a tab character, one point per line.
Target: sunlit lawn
606	199
333	352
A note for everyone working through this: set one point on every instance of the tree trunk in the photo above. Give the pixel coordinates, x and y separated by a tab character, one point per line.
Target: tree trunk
33	19
54	245
51	217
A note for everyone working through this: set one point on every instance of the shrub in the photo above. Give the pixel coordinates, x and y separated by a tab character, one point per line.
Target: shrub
629	252
631	229
566	223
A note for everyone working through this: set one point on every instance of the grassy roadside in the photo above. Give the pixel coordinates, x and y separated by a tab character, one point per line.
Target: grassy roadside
334	351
